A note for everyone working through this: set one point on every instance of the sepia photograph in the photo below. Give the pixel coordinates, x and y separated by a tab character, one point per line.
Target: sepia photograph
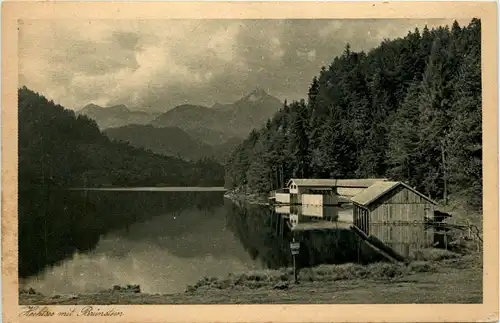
249	161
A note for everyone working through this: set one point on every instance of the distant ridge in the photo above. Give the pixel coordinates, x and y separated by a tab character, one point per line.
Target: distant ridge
234	120
115	116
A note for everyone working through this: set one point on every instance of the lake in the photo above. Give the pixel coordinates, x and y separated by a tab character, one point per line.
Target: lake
163	240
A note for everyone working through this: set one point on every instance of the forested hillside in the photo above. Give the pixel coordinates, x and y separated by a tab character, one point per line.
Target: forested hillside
169	141
408	110
58	148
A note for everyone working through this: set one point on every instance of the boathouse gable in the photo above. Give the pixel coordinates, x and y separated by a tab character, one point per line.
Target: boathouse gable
394	201
395	213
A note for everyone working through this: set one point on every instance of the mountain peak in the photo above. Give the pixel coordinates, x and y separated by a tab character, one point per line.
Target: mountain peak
256	95
119	108
259	91
91	106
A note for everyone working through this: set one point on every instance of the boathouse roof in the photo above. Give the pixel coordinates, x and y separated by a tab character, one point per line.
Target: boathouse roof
379	189
363	183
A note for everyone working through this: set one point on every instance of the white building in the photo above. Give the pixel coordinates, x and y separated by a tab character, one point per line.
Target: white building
326	191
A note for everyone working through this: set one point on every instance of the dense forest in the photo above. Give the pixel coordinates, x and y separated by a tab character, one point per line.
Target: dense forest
408	110
58	148
172	141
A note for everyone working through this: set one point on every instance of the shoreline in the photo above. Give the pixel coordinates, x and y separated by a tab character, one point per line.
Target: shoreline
243	195
348	282
155	188
420	281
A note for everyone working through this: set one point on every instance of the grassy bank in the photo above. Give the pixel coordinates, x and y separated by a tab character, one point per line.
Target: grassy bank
432	261
443	277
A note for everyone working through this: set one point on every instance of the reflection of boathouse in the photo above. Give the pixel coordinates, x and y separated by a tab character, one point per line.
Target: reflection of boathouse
391	212
309	217
309	213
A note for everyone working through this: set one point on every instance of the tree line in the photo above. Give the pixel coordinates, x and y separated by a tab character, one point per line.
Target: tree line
407	110
59	149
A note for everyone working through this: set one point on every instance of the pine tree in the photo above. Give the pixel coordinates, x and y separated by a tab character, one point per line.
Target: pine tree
299	140
409	110
404	153
435	110
465	137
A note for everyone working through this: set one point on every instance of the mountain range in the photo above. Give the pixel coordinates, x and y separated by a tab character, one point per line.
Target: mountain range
234	120
189	131
115	116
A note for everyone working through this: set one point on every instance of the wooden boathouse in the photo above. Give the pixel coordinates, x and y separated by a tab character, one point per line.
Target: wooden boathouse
396	214
390	217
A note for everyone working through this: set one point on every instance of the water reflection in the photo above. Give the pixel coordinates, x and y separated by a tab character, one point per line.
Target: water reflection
324	233
54	224
174	240
315	213
267	232
88	241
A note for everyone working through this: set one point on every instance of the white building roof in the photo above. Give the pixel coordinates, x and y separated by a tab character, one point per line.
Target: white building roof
335	182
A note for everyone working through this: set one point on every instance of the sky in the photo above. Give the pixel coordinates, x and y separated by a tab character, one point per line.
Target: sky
159	64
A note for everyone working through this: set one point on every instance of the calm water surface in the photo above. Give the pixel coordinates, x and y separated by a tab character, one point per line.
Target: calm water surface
163	240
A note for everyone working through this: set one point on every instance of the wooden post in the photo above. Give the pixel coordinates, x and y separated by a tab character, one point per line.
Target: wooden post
294	266
358	247
294	270
282	233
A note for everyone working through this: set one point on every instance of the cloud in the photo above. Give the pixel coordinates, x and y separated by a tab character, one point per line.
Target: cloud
158	64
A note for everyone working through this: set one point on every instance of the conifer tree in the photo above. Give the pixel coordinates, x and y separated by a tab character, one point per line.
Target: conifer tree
409	110
299	140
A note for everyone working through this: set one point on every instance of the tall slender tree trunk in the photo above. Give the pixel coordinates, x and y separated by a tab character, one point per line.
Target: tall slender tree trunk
282	175
276	177
445	174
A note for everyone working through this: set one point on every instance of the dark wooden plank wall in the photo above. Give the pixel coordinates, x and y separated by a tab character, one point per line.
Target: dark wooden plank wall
399	217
